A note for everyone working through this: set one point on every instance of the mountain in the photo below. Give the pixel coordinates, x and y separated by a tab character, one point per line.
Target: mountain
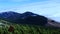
13	15
28	18
24	18
10	15
27	14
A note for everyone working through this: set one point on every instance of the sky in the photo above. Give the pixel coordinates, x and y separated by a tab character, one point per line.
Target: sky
48	8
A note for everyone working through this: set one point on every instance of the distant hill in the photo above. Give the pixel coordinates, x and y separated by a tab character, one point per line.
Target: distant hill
27	18
10	15
24	18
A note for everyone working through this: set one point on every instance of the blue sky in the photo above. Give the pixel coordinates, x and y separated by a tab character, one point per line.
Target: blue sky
8	4
48	8
5	4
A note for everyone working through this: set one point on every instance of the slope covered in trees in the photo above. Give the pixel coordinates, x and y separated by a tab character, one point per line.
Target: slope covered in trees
26	23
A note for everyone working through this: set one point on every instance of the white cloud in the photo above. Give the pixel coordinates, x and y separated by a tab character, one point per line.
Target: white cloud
49	9
56	15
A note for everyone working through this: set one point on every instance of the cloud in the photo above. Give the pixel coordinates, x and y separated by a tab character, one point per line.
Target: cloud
56	15
50	9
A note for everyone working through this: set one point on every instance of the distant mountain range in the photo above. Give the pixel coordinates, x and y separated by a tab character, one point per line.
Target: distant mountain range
14	15
28	18
24	18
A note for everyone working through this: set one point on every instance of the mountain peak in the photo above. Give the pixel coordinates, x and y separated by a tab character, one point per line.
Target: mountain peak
29	14
10	15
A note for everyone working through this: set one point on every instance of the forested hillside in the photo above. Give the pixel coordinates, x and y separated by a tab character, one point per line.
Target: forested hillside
27	29
26	23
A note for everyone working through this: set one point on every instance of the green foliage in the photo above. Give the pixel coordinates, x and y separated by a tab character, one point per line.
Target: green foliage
27	29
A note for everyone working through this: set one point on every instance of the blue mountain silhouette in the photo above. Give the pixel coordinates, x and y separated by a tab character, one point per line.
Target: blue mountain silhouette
24	18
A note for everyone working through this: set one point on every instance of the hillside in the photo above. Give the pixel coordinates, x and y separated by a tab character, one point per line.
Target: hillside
24	18
27	23
28	29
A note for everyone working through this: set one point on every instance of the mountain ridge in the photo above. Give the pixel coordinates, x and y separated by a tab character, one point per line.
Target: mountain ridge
26	17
